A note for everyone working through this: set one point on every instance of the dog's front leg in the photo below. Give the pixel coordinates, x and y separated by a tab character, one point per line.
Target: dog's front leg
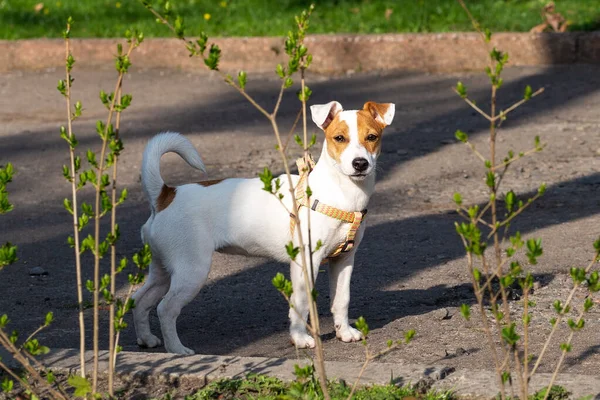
340	271
299	310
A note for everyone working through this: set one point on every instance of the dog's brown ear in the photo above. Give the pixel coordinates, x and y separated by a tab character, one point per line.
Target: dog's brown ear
381	112
323	114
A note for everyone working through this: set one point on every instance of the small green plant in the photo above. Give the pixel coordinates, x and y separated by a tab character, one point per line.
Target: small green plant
8	252
486	230
36	381
305	386
102	176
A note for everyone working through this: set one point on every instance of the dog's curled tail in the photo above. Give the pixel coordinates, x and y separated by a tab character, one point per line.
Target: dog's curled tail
152	182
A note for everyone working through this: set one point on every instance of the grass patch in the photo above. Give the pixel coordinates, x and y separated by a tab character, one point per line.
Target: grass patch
21	19
267	388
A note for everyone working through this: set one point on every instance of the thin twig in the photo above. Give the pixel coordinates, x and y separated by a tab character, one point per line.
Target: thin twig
472	104
503	113
97	217
560	315
75	215
507	162
562	357
477	153
22	360
291	132
113	260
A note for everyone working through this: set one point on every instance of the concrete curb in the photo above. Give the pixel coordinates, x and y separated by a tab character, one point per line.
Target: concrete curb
443	52
198	370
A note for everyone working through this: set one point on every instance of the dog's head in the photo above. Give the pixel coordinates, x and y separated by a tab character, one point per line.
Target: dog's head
353	137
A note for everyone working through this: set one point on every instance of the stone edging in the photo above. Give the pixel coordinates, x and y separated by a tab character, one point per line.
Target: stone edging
333	54
198	370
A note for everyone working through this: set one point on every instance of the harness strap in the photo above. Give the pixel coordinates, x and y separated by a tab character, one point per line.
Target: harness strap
305	167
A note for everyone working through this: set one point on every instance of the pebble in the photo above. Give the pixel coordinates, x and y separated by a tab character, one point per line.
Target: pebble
598	151
460	351
442	313
438	373
37	271
403	152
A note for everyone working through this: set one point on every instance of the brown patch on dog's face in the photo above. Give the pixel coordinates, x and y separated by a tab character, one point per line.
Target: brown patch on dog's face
369	131
210	182
165	198
337	135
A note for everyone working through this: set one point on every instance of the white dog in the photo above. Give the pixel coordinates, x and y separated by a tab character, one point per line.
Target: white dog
236	216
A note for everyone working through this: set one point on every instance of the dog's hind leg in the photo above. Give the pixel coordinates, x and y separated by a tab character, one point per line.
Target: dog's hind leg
147	297
188	277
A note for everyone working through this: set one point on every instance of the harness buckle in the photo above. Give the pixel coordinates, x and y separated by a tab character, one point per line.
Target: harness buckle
349	243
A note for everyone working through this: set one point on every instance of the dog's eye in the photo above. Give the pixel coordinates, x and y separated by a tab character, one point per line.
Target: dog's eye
371	138
339	139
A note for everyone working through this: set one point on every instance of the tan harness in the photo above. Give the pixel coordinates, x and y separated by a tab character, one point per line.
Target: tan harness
354	218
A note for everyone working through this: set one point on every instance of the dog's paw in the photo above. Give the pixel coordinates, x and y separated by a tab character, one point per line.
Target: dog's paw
348	334
303	341
181	349
150	341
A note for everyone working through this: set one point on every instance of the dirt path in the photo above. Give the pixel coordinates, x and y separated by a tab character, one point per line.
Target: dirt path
410	270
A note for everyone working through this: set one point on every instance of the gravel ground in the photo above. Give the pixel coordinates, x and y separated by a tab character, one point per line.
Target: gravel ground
411	271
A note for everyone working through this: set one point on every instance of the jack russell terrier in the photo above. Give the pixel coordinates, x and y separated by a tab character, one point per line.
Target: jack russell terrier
236	216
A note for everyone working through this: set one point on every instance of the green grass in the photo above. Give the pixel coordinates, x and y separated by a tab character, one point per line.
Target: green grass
110	18
267	388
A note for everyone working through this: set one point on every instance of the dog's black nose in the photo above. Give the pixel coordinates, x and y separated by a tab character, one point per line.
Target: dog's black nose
360	164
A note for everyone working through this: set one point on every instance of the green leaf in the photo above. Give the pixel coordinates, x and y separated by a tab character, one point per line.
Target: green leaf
362	326
122	265
318	245
490	179
143	258
280	71
8	255
49	318
288	82
509	199
487	34
528	92
298	140
465	310
588	304
461	89
242	79
461	136
292	251
510	335
283	285
303	96
566	347
81	385
534	250
542	189
558	306
68	206
214	56
408	336
458	199
7	385
266	178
